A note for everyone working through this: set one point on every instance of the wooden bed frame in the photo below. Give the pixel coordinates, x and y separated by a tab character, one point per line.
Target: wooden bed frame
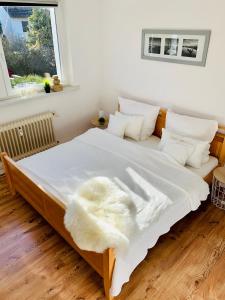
53	210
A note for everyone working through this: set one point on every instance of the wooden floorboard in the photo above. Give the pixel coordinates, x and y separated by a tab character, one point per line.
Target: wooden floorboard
36	263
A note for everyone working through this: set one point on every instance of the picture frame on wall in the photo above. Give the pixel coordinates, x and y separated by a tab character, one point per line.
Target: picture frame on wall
176	46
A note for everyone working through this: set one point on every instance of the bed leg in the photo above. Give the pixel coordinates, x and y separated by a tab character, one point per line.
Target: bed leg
108	266
3	156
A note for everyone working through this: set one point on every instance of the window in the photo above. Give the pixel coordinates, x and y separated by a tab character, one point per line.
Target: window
29	44
25	26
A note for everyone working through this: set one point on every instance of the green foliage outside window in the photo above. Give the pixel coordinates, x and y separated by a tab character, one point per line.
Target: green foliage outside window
29	78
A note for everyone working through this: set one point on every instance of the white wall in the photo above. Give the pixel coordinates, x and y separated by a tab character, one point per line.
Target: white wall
17	27
6	23
12	27
73	109
200	90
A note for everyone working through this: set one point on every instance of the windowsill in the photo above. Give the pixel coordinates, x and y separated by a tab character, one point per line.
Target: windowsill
15	99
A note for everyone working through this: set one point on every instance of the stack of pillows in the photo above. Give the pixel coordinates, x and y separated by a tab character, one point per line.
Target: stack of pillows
135	120
185	139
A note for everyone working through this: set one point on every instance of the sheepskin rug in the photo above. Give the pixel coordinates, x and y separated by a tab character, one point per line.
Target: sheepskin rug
100	216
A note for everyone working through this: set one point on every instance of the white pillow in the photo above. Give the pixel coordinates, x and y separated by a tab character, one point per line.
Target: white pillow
178	150
201	129
206	157
199	148
149	112
134	125
117	126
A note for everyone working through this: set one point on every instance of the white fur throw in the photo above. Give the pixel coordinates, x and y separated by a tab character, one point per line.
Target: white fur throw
100	216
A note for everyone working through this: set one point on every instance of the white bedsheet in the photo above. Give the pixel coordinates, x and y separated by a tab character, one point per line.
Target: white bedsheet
97	153
153	142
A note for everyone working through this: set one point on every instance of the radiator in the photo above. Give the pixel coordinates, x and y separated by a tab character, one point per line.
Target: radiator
28	136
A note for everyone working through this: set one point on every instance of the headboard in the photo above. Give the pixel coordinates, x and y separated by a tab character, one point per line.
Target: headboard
217	148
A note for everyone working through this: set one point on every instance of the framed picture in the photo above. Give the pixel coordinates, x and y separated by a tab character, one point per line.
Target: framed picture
177	46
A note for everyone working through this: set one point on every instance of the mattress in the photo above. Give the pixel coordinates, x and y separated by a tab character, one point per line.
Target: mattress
153	142
62	169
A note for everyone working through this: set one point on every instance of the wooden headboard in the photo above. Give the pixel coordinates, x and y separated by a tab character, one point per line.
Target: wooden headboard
217	148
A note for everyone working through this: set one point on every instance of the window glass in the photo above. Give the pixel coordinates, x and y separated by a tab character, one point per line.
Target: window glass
30	45
25	26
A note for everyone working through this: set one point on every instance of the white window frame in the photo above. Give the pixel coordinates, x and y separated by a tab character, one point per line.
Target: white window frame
4	72
67	72
62	55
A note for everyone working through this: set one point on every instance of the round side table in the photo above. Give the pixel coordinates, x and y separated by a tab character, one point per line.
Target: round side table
218	188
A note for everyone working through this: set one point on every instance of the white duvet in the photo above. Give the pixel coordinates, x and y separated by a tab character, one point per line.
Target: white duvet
97	153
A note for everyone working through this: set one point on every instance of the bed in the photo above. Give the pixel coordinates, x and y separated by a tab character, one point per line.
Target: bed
50	205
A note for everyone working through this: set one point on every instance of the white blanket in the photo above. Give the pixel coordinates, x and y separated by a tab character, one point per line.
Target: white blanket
100	215
97	153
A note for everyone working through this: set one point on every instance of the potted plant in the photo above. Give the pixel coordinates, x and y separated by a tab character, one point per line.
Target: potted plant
47	86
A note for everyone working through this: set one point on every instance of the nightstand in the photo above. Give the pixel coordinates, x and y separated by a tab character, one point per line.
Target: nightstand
218	188
95	123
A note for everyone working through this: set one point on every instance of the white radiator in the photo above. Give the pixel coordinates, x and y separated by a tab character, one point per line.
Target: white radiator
28	136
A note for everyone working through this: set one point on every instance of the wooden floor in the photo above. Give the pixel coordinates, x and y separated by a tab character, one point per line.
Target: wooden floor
36	263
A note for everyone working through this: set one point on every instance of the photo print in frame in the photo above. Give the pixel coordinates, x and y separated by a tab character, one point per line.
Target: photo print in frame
177	46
